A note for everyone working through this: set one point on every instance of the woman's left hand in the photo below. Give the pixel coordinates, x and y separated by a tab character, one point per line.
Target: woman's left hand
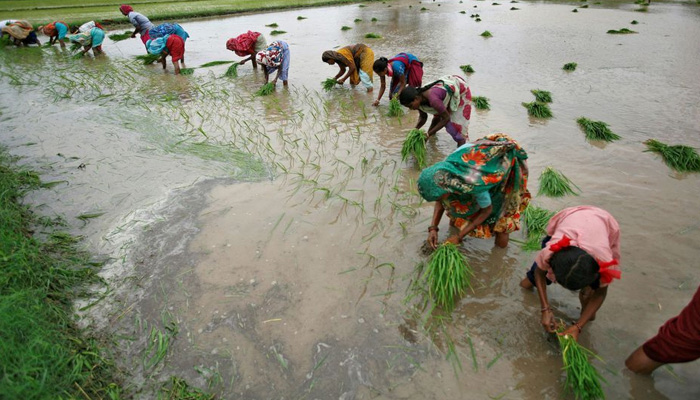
572	331
454	239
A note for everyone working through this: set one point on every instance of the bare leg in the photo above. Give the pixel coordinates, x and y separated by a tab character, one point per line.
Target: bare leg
526	284
638	362
285	83
502	239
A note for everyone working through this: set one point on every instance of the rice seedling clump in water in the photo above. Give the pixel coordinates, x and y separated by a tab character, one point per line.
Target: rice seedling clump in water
542	95
395	108
570	66
448	276
467	69
299	18
680	158
187	71
266	89
597	130
272	25
214	63
486	34
329	84
357	20
75	47
148	58
414	144
373	36
481	103
622	31
555	184
116	37
276	32
535	220
582	378
538	110
232	71
345	28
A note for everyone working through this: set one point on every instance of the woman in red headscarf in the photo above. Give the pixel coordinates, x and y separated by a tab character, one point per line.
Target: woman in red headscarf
247	44
581	252
140	22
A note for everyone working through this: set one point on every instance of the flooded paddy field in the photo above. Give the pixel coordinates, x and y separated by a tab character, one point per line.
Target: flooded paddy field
266	247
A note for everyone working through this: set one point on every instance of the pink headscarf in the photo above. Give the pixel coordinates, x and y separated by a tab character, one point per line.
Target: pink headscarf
126	9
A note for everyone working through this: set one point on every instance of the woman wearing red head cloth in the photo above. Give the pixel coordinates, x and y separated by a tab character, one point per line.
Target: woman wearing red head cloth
247	44
581	252
140	22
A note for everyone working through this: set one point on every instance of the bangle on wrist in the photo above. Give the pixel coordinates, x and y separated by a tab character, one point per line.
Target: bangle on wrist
576	324
433	228
546	309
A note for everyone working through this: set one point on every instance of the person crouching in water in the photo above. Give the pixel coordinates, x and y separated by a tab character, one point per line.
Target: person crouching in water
275	58
168	45
581	252
89	35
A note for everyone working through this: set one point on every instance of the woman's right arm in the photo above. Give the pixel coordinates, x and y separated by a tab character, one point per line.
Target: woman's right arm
382	79
136	30
547	319
422	119
350	68
438	210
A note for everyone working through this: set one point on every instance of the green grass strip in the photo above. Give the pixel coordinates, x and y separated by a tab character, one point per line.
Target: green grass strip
448	275
414	145
582	378
481	103
266	89
542	96
395	107
679	157
597	130
555	184
215	63
538	110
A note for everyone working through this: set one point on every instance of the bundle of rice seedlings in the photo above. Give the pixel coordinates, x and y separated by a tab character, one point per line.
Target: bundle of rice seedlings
329	84
116	37
481	103
582	378
467	69
272	25
634	22
542	95
299	18
570	66
538	110
555	184
448	275
477	19
214	63
597	130
345	28
148	58
462	12
584	6
495	4
78	55
536	220
423	9
186	71
232	71
514	9
574	10
357	20
374	20
395	108
276	32
486	34
414	144
75	47
373	36
622	31
679	157
266	89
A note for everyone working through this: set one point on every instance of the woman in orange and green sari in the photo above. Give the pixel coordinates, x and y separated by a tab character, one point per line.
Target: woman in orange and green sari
357	59
483	188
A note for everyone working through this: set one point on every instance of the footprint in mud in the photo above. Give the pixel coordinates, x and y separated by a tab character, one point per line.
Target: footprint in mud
408	330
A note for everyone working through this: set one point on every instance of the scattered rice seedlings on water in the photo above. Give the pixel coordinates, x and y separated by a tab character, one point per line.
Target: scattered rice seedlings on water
542	95
555	184
486	34
582	378
276	32
395	108
266	89
574	10
597	130
678	157
329	84
495	4
514	9
373	36
481	103
232	71
570	66
423	9
414	145
299	18
623	31
272	25
357	20
214	63
374	20
117	37
634	22
538	110
345	28
448	275
148	58
477	19
462	12
186	71
584	6
467	68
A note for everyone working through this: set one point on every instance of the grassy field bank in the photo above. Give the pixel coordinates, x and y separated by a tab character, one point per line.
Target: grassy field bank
107	11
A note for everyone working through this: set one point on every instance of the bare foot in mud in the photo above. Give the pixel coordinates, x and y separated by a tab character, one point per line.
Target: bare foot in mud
425	249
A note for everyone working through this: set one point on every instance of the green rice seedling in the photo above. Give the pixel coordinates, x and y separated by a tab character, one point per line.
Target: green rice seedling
187	71
514	9
582	378
117	37
597	130
345	28
395	108
486	34
679	157
634	22
373	36
374	20
462	12
357	20
478	19
75	47
570	66
448	275
623	31
542	95
584	6
78	55
215	63
555	184
178	388
423	9
481	103
574	10
276	32
272	25
414	144
232	71
329	84
266	89
467	69
495	4
536	220
148	58
299	18
538	110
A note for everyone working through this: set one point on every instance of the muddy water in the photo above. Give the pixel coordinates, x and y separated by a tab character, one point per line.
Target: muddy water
280	267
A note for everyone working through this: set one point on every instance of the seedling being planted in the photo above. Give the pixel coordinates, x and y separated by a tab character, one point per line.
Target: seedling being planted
542	95
345	28
214	63
414	144
329	84
486	34
116	37
266	89
481	103
272	25
597	130
467	69
555	184
448	275
680	158
187	71
148	58
276	32
570	66
622	31
232	71
395	108
538	110
582	379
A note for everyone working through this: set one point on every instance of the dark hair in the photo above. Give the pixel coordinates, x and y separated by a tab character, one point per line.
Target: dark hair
409	93
574	268
380	64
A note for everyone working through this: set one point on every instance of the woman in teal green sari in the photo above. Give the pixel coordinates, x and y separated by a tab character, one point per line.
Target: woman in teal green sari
483	188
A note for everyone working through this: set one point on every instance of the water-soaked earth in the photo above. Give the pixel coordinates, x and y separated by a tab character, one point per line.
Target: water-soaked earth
269	246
